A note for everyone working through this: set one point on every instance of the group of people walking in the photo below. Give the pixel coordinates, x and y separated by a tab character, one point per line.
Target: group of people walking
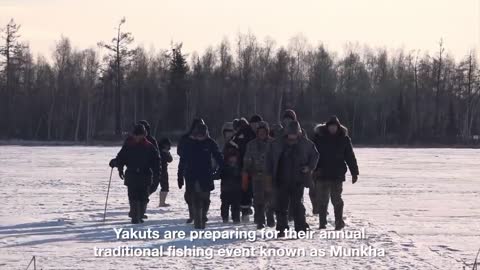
258	166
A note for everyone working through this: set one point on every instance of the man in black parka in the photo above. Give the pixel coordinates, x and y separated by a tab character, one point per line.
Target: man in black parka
143	162
336	153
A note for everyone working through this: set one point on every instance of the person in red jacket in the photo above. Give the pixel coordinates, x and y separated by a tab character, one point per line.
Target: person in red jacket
143	162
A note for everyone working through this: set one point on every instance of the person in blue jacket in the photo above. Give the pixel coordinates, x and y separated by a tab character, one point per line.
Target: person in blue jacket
198	151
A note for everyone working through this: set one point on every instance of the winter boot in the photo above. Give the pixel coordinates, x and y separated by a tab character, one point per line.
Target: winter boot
142	206
205	211
190	213
259	216
163	197
339	223
322	216
144	210
235	214
135	211
198	222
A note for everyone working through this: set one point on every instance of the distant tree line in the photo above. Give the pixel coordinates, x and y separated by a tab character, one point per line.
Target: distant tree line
383	97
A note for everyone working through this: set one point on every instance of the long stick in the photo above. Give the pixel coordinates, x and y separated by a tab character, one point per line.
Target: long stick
106	200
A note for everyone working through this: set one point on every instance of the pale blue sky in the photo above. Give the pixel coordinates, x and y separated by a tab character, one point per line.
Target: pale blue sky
411	24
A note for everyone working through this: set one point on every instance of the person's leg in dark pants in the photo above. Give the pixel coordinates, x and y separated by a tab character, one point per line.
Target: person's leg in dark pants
281	210
259	202
246	204
312	192
200	202
197	209
299	208
225	207
337	201
235	205
188	200
136	206
323	197
290	208
206	206
270	209
143	193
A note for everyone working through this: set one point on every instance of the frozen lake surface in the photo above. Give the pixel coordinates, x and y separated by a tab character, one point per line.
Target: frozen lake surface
422	206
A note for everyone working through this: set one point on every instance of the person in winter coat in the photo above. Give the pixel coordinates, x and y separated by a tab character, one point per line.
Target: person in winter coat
153	141
197	154
289	162
336	153
240	140
231	184
165	144
254	171
181	168
142	161
287	117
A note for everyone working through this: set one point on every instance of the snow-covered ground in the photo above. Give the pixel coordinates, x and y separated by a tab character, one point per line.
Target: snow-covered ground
422	206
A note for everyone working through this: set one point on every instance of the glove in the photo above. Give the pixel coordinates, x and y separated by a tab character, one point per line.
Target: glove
180	181
113	163
120	174
245	182
354	179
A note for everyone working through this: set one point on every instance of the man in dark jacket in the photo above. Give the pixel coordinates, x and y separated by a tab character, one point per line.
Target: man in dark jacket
336	153
142	160
165	145
197	156
290	161
154	142
181	167
155	183
287	117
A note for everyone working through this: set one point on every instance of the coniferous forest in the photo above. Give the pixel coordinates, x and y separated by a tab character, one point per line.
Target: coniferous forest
383	95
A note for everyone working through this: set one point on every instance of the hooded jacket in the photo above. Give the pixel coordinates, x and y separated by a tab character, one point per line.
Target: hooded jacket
336	153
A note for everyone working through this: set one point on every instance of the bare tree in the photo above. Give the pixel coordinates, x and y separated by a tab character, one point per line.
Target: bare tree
119	55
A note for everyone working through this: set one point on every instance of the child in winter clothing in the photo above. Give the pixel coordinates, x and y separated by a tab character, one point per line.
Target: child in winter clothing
231	184
164	148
